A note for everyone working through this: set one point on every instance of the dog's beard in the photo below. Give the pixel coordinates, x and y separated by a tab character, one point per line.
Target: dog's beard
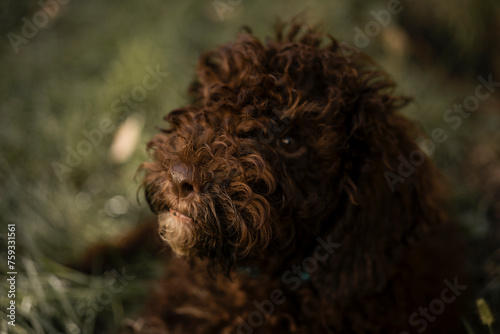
207	234
179	233
222	230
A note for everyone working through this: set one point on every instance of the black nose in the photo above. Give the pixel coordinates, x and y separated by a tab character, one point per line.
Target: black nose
183	179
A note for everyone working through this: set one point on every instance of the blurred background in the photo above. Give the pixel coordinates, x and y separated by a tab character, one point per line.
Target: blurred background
84	84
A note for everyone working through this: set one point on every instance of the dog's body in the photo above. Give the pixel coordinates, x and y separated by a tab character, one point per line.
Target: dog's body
192	301
300	199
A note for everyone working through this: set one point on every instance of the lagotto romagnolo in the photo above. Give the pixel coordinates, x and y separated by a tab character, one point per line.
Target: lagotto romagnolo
270	189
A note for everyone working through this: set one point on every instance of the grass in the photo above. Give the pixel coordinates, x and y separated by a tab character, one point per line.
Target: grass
65	81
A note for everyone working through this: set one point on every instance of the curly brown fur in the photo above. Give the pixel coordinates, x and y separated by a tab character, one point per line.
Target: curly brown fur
285	143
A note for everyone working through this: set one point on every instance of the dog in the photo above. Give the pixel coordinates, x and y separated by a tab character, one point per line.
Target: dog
295	199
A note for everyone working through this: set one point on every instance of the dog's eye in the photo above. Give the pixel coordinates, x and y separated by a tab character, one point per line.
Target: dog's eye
289	144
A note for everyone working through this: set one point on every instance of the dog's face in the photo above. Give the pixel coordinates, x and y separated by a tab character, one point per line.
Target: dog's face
227	184
253	165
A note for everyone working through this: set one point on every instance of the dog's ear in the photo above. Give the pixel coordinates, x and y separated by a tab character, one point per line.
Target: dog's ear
150	199
395	195
154	170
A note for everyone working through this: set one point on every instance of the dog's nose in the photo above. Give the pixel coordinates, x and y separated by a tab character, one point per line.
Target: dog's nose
183	179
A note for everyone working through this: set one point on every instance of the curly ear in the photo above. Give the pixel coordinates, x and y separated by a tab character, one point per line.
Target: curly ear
392	193
153	171
150	198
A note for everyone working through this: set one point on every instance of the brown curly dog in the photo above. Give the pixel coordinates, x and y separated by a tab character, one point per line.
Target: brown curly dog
296	199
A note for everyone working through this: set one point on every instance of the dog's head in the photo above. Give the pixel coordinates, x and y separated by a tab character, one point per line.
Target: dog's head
276	140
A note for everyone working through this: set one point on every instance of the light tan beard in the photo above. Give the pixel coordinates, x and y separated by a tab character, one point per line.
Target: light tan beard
178	233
